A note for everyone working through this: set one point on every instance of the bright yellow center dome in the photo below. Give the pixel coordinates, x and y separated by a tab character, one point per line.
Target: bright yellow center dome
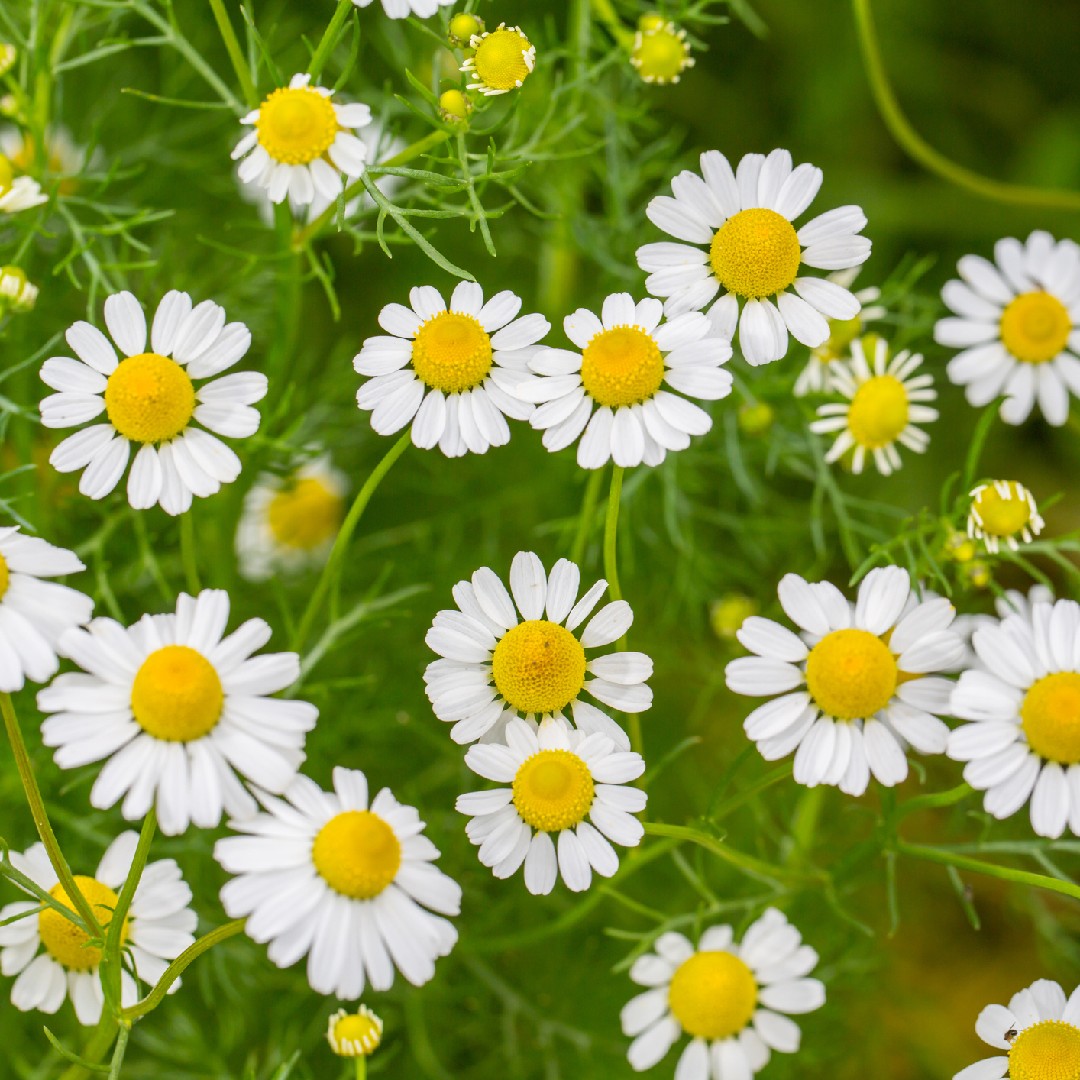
357	854
553	790
538	666
755	253
305	515
622	366
713	995
177	695
500	61
1048	1050
1002	516
661	55
851	674
65	942
1050	716
452	352
149	398
296	125
878	412
1035	327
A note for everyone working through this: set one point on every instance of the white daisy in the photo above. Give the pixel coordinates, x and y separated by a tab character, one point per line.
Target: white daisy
34	614
325	875
402	9
1024	701
500	60
497	665
18	192
1039	1032
179	710
882	409
150	400
744	218
455	370
1003	510
302	143
1018	324
858	681
626	358
731	999
53	957
557	778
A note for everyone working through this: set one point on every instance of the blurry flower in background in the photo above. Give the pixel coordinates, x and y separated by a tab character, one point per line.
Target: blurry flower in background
463	26
355	1034
402	9
18	192
501	60
16	293
728	613
660	51
1003	510
8	55
63	157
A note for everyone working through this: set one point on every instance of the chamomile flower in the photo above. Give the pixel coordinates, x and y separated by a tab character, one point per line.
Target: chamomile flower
402	9
355	1034
53	957
150	400
1023	700
1039	1032
744	219
63	157
502	59
858	682
18	192
350	885
883	407
290	523
733	1000
1018	326
179	711
660	51
453	371
1003	510
498	664
613	389
302	143
16	292
35	614
557	778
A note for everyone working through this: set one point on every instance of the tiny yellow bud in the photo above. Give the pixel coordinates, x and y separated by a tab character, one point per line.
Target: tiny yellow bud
660	53
454	107
755	418
977	573
651	21
15	290
959	547
729	612
463	26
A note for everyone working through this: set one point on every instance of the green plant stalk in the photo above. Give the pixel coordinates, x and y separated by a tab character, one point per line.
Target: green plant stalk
119	1051
588	512
329	39
236	55
97	1047
608	16
187	552
361	1059
804	824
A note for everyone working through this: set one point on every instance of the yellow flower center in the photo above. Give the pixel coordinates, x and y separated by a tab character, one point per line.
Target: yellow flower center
1002	515
538	666
878	412
5	577
500	59
305	514
660	55
622	366
452	352
1048	1050
357	854
65	942
755	253
296	125
177	695
851	674
713	995
7	175
149	398
553	790
1035	327
1050	716
356	1034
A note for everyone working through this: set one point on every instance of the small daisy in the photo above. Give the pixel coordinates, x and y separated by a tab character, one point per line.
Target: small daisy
63	157
660	51
324	875
858	682
626	358
289	523
16	292
1039	1032
402	9
496	665
730	999
1018	324
1003	510
502	59
1024	701
301	143
18	192
745	218
883	406
179	711
355	1034
35	614
455	370
52	956
150	400
557	778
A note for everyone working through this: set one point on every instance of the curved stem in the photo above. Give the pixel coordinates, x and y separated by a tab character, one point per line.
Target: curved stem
588	511
96	1048
329	39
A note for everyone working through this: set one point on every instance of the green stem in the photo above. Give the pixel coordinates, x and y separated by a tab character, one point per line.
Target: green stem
236	54
934	801
329	39
97	1047
361	1059
588	512
804	824
119	1051
608	16
187	553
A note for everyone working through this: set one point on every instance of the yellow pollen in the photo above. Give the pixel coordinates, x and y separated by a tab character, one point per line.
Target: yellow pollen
296	125
622	366
500	59
177	695
553	790
660	55
1035	327
149	398
1048	1050
305	514
878	412
1002	516
357	854
65	942
538	666
452	352
1050	716
713	995
355	1034
851	674
755	253
5	577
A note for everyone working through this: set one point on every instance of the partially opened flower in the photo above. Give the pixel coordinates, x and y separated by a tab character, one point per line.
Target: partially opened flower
1003	510
502	59
18	192
17	293
355	1034
660	51
402	9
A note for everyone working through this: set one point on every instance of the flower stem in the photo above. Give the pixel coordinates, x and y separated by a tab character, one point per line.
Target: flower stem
236	55
187	553
607	15
361	1059
329	39
588	511
96	1048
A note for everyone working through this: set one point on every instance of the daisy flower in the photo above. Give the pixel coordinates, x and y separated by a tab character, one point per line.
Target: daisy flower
289	523
626	358
178	710
302	143
355	1034
18	192
1024	699
858	682
325	875
882	408
730	999
744	219
150	400
453	371
504	658
35	614
1017	322
402	9
660	51
1039	1032
1003	510
557	777
52	956
502	59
